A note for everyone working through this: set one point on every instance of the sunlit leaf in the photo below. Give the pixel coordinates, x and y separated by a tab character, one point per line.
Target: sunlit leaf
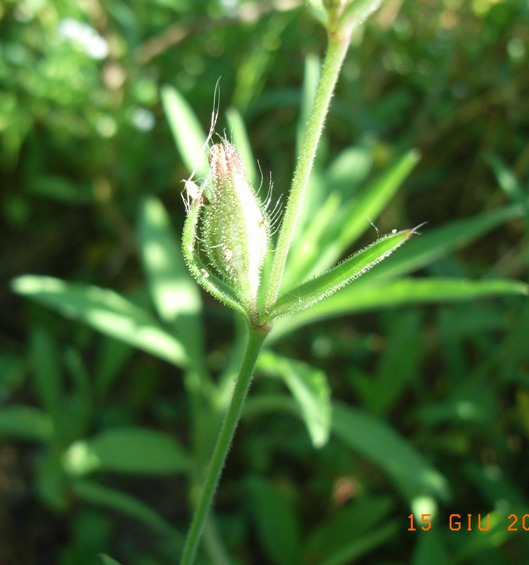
25	422
127	450
310	389
174	292
105	311
322	286
373	295
351	219
187	131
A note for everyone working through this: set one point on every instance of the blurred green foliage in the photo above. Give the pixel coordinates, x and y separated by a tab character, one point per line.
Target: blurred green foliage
84	140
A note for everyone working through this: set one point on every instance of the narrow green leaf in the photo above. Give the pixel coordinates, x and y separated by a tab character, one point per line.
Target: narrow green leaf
310	389
378	442
430	549
439	242
373	295
488	541
358	214
308	244
397	367
51	483
112	356
60	189
314	290
105	311
173	290
25	422
349	171
507	180
317	190
96	493
346	527
278	526
187	131
335	226
46	371
351	551
106	560
127	450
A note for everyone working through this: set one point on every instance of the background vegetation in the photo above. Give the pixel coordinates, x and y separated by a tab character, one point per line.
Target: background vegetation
84	140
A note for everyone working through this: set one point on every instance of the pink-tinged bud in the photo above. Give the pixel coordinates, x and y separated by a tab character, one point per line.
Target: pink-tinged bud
235	228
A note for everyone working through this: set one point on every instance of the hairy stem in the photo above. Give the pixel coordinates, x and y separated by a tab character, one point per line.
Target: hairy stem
256	339
336	51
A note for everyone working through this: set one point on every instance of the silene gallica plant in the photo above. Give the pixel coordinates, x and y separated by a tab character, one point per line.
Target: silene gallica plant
277	277
227	240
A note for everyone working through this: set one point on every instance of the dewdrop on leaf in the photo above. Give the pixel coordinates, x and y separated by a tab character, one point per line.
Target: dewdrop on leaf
235	227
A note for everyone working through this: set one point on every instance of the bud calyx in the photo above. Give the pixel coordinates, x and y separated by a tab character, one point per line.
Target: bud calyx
234	226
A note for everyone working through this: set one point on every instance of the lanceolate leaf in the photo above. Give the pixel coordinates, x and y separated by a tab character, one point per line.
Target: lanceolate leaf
436	243
356	216
310	389
336	224
173	290
381	444
96	493
127	450
328	283
25	422
187	131
241	141
104	310
370	295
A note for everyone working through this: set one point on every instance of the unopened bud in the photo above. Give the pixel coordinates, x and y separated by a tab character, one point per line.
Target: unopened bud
235	228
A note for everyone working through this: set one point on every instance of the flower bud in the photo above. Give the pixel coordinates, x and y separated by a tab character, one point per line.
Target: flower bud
235	228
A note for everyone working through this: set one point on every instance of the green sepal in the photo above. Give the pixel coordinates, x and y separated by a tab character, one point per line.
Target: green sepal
205	277
318	288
